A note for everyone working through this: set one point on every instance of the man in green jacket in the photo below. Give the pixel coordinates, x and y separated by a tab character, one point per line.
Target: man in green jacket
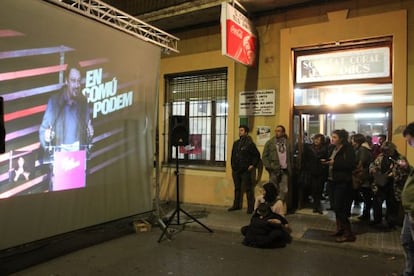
407	197
276	159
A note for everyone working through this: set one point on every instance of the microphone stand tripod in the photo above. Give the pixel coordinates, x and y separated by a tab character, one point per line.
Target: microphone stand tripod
178	209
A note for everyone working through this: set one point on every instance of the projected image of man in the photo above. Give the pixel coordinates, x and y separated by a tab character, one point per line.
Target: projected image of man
66	124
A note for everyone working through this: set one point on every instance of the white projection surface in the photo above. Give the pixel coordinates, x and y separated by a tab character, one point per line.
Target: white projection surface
80	104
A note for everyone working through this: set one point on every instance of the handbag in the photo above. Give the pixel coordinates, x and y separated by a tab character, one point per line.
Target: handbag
381	179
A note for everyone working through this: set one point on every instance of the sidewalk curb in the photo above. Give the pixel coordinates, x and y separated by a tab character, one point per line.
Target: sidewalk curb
218	219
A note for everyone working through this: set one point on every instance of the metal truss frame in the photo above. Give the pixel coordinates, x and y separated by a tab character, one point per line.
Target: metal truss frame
120	20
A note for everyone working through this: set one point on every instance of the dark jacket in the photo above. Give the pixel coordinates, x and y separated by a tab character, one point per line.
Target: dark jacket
264	234
69	122
344	163
311	160
363	158
244	154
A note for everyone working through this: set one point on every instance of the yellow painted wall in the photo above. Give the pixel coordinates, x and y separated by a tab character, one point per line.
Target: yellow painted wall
340	28
277	34
197	185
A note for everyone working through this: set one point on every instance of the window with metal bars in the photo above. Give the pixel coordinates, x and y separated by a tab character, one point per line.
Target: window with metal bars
202	98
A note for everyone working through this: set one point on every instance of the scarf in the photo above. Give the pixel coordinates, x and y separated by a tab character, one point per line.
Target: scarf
281	144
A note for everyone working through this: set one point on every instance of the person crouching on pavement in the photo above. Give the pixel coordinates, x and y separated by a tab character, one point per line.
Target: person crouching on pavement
270	197
266	229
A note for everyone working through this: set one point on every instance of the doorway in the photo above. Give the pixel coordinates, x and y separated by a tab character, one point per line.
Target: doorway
367	120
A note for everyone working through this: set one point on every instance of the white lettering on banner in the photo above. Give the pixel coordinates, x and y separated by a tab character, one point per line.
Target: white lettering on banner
238	35
236	31
104	95
93	77
364	63
236	18
101	90
241	20
109	105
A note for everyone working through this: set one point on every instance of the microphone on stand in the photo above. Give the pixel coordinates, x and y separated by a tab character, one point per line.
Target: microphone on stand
49	137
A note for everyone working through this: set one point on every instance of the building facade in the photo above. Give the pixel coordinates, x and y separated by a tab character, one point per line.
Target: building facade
324	31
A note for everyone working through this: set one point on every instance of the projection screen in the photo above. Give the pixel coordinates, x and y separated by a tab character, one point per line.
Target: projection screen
80	108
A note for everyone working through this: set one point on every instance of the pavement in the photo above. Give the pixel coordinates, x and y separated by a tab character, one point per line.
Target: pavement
307	227
196	252
310	229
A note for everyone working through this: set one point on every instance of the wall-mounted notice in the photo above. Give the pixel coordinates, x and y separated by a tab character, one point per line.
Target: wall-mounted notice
263	134
259	102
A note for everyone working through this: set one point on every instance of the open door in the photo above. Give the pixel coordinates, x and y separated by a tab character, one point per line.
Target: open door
308	122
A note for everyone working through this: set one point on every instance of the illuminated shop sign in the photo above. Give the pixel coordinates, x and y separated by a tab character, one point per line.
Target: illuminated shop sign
238	40
344	65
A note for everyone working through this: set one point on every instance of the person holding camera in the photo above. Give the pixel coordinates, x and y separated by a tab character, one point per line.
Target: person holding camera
384	170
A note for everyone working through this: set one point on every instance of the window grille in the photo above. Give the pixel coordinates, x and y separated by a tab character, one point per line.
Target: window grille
202	98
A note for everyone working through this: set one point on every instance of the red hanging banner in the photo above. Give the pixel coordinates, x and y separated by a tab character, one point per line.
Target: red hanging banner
238	37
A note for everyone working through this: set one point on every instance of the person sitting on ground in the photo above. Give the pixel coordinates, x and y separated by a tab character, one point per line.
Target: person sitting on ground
270	196
266	229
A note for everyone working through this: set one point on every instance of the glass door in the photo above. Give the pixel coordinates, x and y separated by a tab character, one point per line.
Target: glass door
308	122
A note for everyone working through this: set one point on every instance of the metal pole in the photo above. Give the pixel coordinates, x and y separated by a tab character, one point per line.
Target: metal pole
177	181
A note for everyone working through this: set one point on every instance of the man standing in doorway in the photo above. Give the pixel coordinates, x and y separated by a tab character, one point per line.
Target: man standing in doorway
277	161
244	159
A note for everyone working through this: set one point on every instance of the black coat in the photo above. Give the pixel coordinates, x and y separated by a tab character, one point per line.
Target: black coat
244	153
344	163
311	160
263	234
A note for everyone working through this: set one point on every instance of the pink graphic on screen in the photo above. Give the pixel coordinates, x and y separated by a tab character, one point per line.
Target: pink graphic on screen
69	170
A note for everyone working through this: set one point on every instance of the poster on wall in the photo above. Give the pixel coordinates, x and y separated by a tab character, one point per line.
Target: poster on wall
263	135
257	103
194	145
238	39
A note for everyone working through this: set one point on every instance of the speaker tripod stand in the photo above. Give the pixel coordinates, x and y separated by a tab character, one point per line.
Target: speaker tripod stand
178	209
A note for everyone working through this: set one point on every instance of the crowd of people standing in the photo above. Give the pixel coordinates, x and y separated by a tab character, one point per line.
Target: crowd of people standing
345	169
375	174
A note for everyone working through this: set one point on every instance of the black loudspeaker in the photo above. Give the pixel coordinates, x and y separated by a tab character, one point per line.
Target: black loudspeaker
179	130
2	128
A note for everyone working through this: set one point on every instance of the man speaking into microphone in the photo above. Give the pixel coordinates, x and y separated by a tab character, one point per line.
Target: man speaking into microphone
66	134
66	124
